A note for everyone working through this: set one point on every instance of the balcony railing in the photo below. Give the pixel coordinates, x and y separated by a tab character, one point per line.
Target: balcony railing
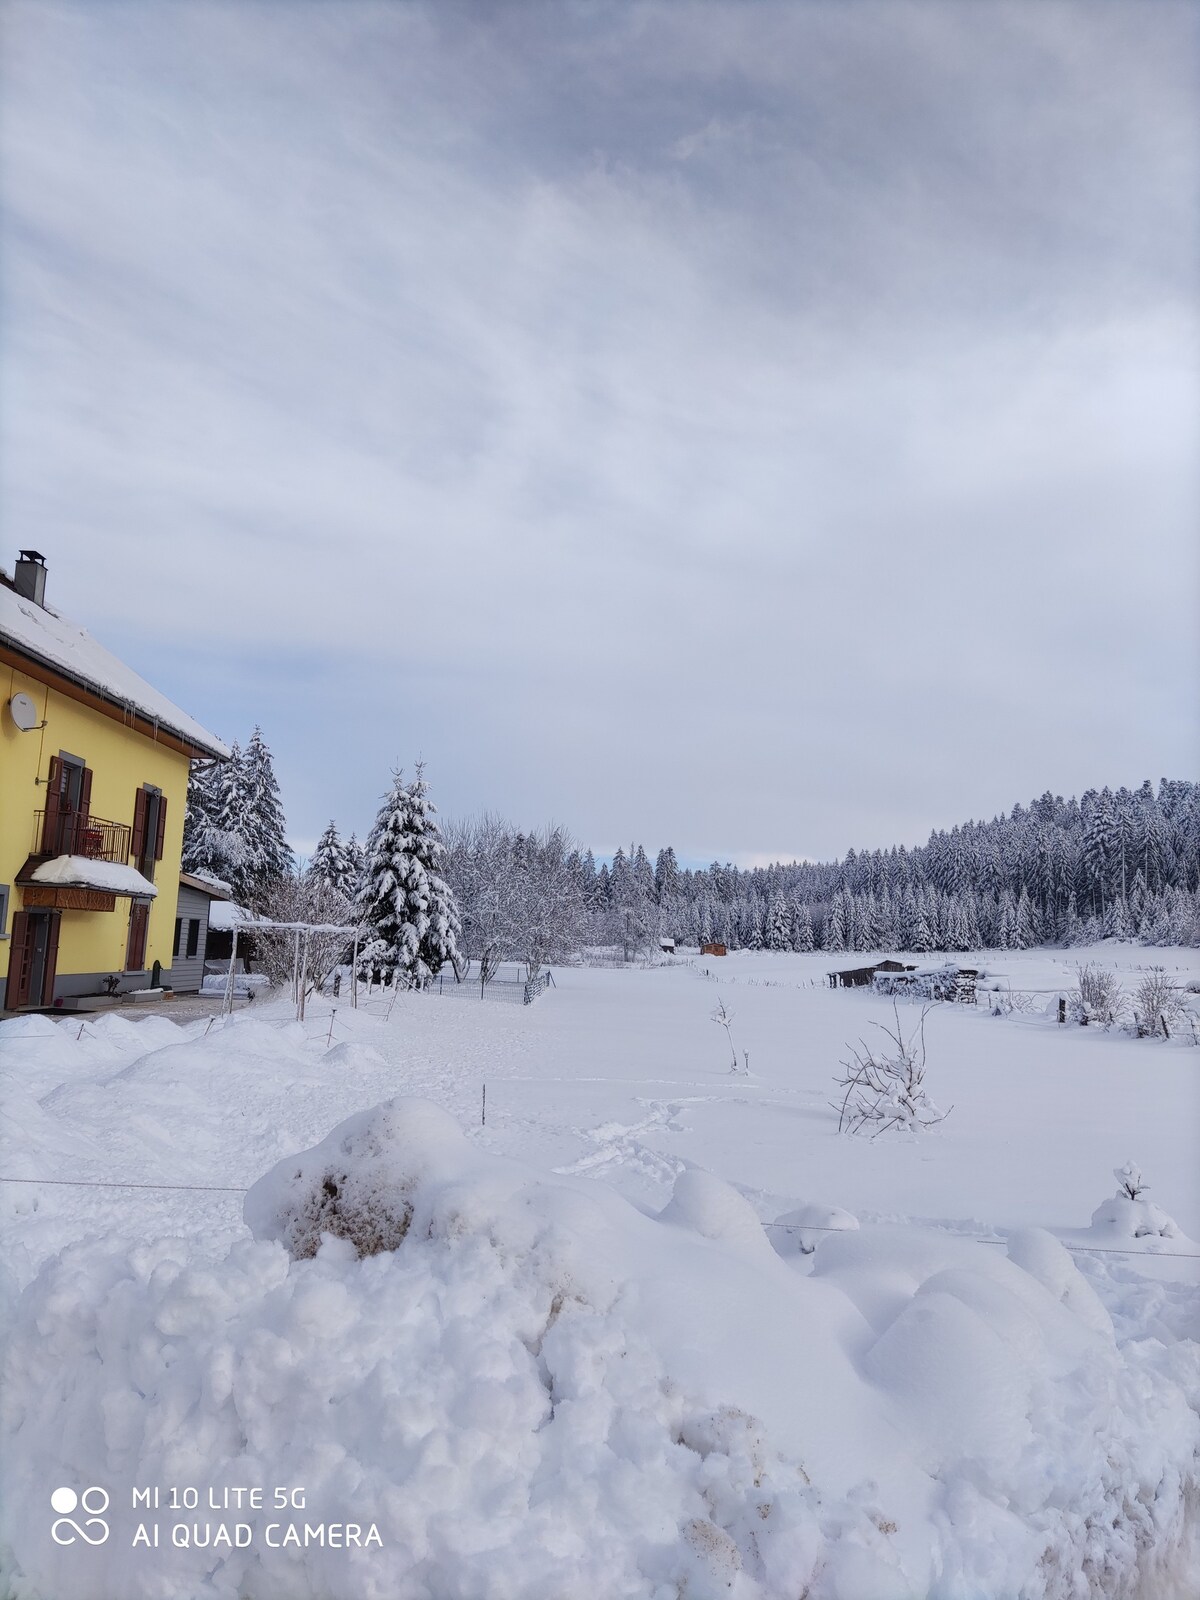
75	833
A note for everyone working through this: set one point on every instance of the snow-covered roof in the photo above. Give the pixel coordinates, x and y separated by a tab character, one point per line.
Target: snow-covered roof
42	634
207	883
81	872
224	915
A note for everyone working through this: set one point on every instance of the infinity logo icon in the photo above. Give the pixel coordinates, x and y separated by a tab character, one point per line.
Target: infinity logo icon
94	1502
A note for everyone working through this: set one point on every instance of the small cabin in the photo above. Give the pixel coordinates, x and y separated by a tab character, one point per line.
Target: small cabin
712	950
863	977
666	947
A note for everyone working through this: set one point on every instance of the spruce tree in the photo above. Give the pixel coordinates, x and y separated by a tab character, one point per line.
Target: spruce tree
205	847
404	902
333	863
268	855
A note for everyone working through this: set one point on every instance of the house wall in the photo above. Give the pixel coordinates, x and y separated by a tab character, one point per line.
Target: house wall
122	760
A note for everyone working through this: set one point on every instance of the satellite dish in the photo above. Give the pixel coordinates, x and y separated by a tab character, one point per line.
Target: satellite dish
23	712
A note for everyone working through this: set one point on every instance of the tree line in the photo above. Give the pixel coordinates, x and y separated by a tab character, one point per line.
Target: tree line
1114	864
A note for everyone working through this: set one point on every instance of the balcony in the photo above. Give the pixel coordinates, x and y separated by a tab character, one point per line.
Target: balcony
76	833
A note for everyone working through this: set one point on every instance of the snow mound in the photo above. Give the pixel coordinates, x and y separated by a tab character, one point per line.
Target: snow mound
360	1183
1130	1216
715	1210
1044	1258
533	1388
27	1028
804	1228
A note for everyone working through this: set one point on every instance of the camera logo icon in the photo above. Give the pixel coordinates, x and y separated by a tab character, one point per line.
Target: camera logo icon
94	1503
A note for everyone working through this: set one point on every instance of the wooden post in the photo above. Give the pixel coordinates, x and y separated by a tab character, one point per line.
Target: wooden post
1062	1008
296	969
303	979
228	1006
354	976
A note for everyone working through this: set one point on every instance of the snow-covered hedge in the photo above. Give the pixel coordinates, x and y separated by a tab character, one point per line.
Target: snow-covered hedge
541	1390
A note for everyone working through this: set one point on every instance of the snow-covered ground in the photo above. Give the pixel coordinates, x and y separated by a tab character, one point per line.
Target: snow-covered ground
587	1369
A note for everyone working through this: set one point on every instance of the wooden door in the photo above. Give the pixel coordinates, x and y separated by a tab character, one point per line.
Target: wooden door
20	962
33	960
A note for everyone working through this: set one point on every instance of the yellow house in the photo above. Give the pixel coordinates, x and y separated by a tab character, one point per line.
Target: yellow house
94	766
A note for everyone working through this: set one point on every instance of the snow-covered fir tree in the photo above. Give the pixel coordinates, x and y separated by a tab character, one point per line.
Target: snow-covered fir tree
263	828
405	904
335	863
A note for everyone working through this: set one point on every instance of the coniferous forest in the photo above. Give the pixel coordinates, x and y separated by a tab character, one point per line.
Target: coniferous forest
1113	864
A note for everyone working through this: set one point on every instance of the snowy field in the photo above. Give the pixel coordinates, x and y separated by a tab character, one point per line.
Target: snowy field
587	1370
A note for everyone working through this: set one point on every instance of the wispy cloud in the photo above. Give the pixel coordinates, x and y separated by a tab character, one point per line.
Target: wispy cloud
711	422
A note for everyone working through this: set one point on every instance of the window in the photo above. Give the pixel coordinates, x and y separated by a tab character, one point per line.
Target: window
68	803
149	829
178	930
3	911
193	943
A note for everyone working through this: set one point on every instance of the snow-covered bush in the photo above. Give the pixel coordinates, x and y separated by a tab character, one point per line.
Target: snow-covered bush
1097	997
1157	1003
884	1087
1128	1214
356	1184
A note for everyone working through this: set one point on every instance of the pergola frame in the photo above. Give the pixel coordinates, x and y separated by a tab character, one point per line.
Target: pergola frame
303	932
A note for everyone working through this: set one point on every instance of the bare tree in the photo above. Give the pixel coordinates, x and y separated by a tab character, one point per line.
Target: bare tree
723	1017
551	910
309	900
479	868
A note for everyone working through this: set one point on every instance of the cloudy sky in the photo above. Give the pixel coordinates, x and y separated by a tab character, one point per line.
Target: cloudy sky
765	428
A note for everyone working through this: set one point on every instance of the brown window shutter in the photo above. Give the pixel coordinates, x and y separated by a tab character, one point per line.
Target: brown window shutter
135	950
18	964
53	798
162	827
85	795
137	848
51	958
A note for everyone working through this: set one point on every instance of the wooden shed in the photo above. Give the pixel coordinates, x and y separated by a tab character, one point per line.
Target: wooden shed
192	915
862	977
712	950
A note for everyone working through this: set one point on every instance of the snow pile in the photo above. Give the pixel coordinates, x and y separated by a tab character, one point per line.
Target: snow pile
81	872
244	983
529	1387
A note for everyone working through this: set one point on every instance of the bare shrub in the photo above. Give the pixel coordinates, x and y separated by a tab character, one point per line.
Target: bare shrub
884	1088
1157	1004
1007	1002
1097	997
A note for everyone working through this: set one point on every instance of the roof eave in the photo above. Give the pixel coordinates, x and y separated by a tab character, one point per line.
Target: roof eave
17	655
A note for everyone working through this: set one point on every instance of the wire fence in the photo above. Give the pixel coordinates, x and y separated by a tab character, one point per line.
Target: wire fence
515	990
782	1227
